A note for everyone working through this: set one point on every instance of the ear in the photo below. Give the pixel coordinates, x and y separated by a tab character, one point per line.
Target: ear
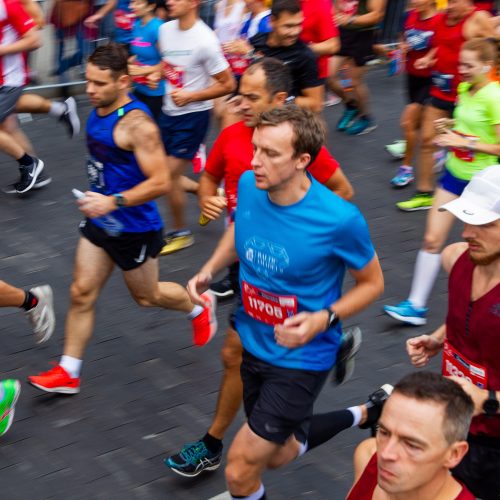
280	98
303	161
486	69
124	81
455	454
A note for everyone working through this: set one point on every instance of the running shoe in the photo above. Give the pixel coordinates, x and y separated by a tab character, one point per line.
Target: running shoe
177	240
223	289
11	390
403	177
205	324
331	99
42	181
397	149
374	406
70	117
347	119
193	459
420	201
361	126
29	176
349	346
42	317
57	380
406	312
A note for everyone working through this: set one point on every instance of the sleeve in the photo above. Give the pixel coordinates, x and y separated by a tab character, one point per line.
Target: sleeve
212	56
18	17
324	166
215	165
352	242
494	108
307	74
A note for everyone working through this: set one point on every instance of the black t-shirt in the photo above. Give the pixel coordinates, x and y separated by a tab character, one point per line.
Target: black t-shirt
299	58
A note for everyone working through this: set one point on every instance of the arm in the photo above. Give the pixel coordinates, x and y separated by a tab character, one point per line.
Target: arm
311	98
482	27
451	254
427	61
339	184
375	14
28	42
210	204
453	140
327	47
34	11
101	13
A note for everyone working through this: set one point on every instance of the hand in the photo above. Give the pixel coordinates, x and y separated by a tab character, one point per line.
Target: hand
213	206
423	63
342	19
238	46
181	97
154	79
442	125
451	140
197	285
96	204
300	329
479	396
92	21
422	349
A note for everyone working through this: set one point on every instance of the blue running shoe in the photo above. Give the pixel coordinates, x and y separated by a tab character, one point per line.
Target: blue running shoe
407	313
361	126
347	119
403	177
193	459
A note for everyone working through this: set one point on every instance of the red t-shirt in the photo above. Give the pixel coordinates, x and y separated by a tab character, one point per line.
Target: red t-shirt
366	484
232	153
14	23
318	26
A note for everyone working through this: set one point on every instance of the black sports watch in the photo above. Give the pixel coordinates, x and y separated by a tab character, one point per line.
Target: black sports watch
491	405
333	318
120	200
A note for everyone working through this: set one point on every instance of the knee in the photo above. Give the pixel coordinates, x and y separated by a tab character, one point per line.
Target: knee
428	139
433	243
230	357
238	474
144	300
82	294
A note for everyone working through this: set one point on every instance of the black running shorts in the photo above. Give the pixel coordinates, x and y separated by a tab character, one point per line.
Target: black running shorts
442	104
419	88
279	401
129	250
357	45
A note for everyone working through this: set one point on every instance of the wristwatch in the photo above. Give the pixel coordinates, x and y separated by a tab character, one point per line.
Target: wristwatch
333	318
491	405
120	200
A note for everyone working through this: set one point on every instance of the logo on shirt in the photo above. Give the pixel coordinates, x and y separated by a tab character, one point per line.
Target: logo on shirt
419	40
266	257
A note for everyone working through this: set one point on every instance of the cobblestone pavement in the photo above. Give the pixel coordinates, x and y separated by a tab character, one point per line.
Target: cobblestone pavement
146	389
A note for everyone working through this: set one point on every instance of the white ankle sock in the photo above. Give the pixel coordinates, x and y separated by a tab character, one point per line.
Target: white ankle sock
197	310
356	414
254	496
425	273
302	449
57	108
72	365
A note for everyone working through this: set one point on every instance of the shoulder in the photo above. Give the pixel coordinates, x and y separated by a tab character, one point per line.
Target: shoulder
259	39
362	456
138	127
169	26
451	254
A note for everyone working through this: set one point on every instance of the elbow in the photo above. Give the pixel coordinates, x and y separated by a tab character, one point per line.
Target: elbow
316	105
347	192
335	46
230	86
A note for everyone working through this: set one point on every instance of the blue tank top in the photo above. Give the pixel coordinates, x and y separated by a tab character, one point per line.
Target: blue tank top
111	169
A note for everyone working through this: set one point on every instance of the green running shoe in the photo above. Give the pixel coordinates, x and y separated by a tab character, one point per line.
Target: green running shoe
11	390
397	149
420	201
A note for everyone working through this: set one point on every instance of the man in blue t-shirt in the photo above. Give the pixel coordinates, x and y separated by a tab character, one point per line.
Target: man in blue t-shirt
294	239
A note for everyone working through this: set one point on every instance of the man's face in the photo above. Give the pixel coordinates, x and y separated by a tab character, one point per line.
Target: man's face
411	447
484	242
140	7
273	160
457	9
102	89
255	98
179	8
287	28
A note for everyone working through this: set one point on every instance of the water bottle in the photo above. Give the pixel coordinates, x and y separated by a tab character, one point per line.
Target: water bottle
110	225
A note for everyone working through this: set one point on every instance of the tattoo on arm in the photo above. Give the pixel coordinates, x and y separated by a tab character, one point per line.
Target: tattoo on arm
137	128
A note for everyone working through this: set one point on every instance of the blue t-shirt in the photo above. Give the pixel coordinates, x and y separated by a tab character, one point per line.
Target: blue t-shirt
299	250
122	35
144	45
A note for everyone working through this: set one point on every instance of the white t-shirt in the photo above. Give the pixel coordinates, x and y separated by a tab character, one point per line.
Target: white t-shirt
190	58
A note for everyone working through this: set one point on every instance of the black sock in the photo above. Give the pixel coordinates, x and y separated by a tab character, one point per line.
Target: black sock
213	445
326	425
427	193
30	301
25	161
351	105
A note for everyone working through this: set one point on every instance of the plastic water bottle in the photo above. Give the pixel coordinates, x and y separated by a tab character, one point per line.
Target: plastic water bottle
110	225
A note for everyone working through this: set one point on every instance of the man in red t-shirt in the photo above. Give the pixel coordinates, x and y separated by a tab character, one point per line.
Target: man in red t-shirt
469	338
421	436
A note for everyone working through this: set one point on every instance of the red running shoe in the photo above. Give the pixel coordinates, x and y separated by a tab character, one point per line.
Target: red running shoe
56	380
205	324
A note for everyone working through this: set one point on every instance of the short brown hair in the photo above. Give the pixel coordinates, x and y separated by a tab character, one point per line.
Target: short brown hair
112	56
308	129
458	406
486	51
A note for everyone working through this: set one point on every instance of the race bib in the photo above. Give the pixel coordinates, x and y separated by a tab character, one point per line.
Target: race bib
95	173
237	63
173	74
442	81
418	39
464	154
458	365
124	20
267	307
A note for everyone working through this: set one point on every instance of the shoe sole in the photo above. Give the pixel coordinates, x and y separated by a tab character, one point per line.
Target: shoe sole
48	296
13	404
400	186
416	209
72	112
35	176
41	184
227	294
367	130
410	321
58	390
167	252
194	474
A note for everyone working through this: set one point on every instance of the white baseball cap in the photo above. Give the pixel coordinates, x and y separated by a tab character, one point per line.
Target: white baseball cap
480	201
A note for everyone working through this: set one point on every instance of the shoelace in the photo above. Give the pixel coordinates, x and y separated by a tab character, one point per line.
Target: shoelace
193	452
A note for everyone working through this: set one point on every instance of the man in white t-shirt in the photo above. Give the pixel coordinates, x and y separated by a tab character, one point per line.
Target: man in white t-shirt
197	72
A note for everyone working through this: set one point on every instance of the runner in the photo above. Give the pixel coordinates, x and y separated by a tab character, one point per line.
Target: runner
474	144
289	320
469	338
197	72
264	86
460	23
127	169
357	21
421	436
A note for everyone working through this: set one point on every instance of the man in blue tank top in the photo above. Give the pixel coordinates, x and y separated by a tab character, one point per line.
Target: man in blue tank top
127	170
294	239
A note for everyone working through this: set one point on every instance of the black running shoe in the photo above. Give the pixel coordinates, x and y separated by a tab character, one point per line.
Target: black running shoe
29	176
70	117
374	405
223	289
344	365
42	181
193	459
